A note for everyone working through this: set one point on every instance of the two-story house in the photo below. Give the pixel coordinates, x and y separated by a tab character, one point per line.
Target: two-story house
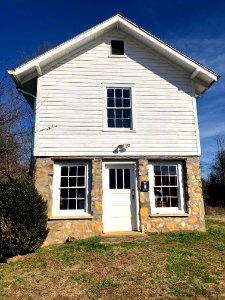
116	139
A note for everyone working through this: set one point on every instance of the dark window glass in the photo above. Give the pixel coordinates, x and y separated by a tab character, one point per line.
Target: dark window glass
64	204
173	170
64	193
72	204
80	181
118	93
117	47
119	113
73	171
112	179
157	170
158	181
72	181
64	181
174	202
110	102
166	201
173	180
64	171
126	93
127	178
119	178
165	180
80	204
119	102
72	193
81	193
165	170
111	113
126	113
126	102
173	191
111	123
119	123
126	123
81	171
110	93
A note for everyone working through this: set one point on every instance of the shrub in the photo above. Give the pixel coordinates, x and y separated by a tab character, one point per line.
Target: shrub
23	218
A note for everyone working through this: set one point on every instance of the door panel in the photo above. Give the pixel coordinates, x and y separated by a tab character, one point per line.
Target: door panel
120	209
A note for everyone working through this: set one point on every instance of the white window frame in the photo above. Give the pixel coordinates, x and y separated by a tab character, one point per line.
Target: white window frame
110	48
133	107
56	212
181	198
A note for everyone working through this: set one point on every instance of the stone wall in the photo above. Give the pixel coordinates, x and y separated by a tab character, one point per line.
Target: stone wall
61	230
193	219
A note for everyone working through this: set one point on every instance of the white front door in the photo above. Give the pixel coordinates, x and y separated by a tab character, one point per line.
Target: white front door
120	208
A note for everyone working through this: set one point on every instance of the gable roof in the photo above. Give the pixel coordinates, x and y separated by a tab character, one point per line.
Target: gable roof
203	77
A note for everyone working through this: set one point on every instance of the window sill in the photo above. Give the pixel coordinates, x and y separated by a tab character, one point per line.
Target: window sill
114	55
85	217
119	130
181	214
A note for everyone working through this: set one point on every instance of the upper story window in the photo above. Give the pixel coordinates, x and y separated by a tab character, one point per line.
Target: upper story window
117	47
119	108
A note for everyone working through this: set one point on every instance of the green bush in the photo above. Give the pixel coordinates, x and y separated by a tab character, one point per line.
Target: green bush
23	218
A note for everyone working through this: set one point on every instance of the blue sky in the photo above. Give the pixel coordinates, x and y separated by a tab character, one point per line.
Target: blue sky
195	27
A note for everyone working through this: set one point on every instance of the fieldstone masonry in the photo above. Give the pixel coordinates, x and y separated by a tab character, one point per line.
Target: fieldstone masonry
61	230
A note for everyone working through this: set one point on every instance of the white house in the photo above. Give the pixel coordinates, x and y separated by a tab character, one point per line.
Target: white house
116	139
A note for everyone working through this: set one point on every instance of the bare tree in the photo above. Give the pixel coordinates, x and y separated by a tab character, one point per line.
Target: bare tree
15	131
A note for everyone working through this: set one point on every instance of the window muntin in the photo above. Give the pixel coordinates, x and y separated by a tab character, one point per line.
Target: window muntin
117	47
119	108
119	178
73	187
166	187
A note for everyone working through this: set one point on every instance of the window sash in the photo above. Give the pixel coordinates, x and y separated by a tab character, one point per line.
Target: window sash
180	208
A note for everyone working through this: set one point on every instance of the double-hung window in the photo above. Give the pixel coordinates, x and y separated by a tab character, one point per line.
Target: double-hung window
166	187
119	108
71	193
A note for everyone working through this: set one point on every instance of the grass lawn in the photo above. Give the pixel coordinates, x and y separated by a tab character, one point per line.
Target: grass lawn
161	266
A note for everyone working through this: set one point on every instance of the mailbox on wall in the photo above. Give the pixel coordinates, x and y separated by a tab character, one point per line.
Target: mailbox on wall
144	186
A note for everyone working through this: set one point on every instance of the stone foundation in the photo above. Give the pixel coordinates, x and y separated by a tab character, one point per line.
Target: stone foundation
63	229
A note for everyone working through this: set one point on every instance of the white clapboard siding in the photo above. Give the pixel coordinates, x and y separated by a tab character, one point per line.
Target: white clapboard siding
70	103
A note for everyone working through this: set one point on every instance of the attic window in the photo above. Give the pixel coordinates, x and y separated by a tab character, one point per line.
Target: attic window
117	47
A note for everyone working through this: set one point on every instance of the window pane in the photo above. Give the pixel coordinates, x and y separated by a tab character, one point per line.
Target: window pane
81	193
112	179
72	193
173	180
110	102
158	192
118	113
119	178
165	170
118	93
173	170
158	202
166	201
165	180
126	113
80	204
64	171
157	170
72	181
72	204
174	202
127	178
64	193
111	113
119	102
64	181
166	191
111	123
73	171
119	123
80	181
126	102
126	93
81	170
110	93
173	191
63	204
126	123
158	181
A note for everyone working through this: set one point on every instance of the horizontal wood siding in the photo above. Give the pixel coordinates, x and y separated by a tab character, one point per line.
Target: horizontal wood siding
70	108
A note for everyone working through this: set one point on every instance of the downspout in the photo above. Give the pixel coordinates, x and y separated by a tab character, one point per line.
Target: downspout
34	117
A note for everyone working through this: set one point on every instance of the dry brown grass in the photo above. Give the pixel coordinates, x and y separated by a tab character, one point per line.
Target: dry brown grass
164	266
